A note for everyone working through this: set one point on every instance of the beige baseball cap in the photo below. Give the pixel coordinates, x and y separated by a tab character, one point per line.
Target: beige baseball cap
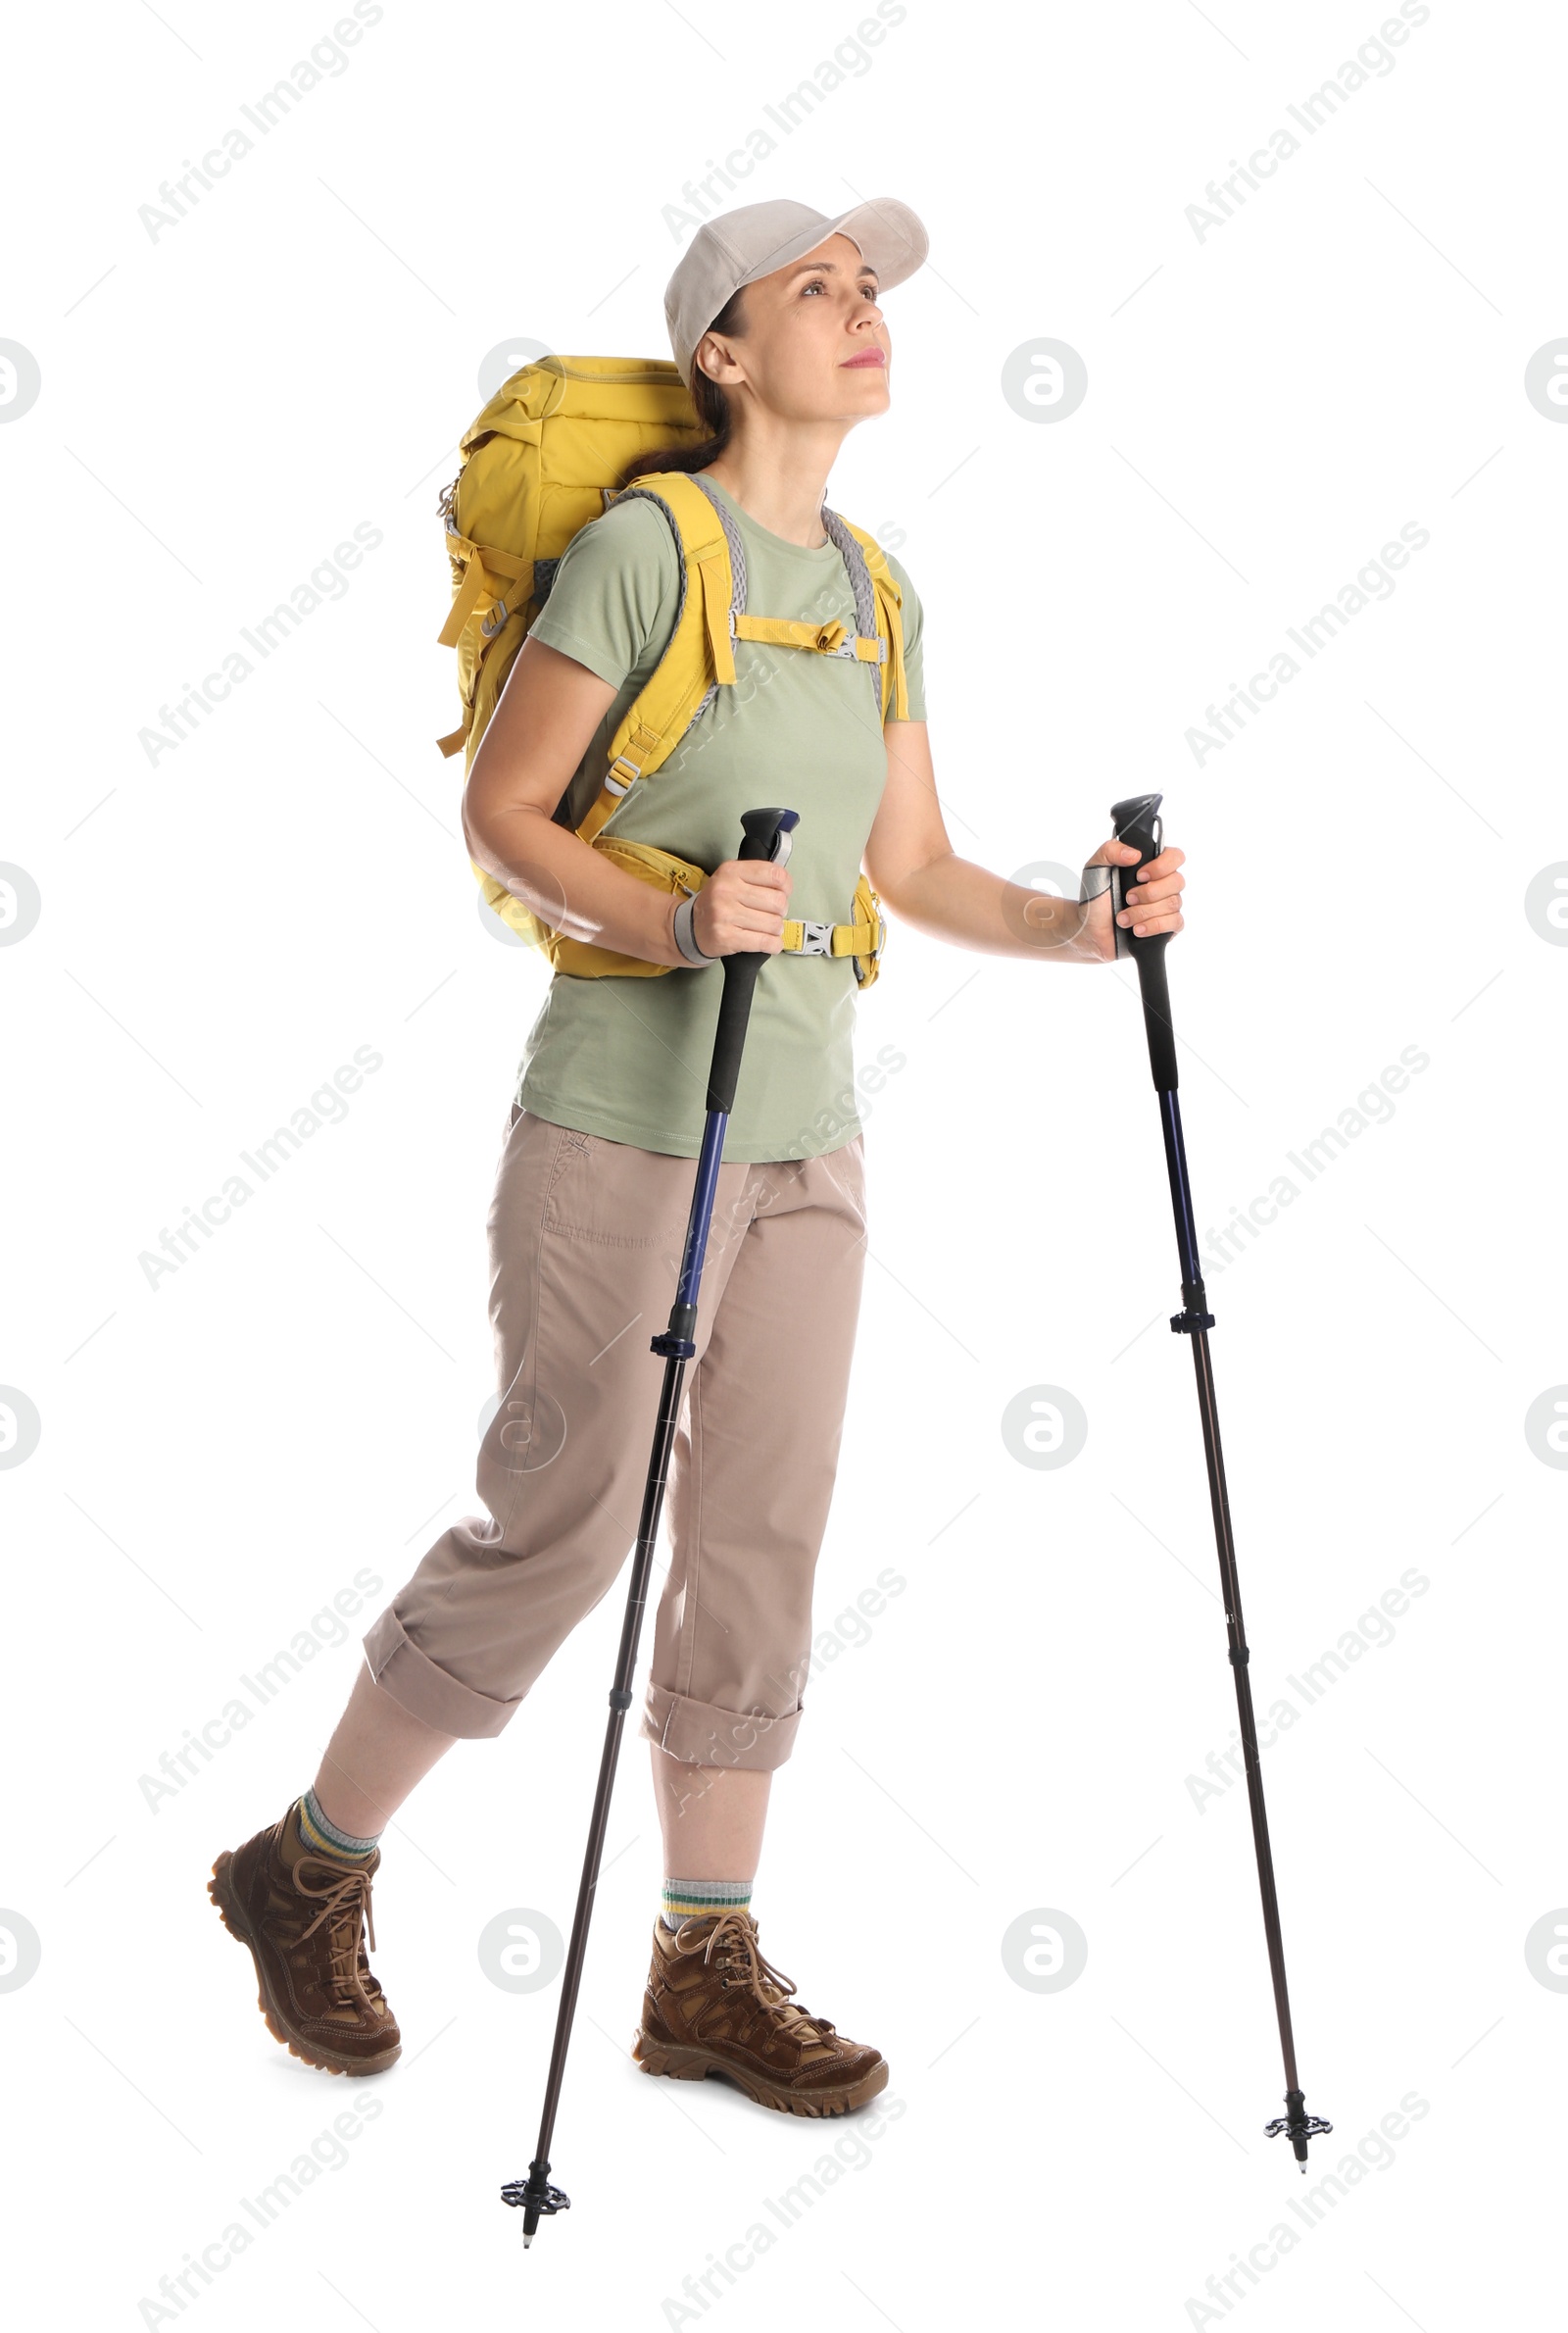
740	245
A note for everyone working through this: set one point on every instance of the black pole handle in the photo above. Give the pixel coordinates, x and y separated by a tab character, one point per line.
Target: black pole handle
768	836
1137	821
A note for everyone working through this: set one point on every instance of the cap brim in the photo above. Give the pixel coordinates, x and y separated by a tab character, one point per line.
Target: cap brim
886	232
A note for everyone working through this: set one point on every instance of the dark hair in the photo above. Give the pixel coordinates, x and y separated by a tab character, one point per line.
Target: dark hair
712	411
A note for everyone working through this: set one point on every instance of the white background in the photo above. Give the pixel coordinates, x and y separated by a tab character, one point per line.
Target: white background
220	405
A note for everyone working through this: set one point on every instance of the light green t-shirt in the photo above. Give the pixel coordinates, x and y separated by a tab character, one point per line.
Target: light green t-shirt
628	1057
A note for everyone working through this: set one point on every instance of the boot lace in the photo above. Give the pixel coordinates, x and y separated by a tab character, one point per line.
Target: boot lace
741	1952
345	1902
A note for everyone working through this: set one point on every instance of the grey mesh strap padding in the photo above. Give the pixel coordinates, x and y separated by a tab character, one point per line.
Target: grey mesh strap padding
860	574
864	591
647	494
737	549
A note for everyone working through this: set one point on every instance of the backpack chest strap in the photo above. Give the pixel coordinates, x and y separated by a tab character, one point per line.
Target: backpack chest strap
710	617
828	639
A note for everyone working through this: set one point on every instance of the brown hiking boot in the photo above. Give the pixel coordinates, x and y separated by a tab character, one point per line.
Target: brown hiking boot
303	1918
714	2004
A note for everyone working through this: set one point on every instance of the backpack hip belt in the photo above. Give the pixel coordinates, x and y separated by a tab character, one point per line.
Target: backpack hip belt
862	938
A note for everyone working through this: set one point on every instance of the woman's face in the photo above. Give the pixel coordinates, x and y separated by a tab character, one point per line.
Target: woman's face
816	346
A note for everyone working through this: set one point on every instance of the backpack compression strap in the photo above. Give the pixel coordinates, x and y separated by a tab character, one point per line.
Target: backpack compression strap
479	586
481	590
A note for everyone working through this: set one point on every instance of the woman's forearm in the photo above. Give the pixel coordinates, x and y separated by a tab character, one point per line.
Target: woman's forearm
953	899
574	888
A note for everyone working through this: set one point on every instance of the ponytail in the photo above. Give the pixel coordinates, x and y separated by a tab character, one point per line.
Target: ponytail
712	411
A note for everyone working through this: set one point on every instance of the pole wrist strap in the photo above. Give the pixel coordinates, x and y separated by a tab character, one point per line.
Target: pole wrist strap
1097	879
686	938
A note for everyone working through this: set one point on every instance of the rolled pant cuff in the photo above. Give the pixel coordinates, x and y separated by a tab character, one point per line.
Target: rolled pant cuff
427	1692
702	1733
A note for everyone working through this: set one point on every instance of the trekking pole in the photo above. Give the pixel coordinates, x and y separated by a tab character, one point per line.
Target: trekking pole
768	836
1136	821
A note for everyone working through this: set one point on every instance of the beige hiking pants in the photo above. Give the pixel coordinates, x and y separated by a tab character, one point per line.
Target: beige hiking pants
586	1237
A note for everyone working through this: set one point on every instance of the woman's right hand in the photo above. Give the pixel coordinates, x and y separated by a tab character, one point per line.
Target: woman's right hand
742	908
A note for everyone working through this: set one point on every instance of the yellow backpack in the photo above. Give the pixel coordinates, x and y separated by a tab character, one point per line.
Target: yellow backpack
538	464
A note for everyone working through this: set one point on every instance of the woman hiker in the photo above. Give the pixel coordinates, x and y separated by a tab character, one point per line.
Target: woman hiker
775	320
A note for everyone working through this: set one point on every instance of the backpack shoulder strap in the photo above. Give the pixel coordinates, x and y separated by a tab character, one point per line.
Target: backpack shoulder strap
699	655
710	614
877	603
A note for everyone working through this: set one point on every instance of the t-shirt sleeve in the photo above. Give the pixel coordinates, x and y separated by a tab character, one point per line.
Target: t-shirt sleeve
913	616
617	586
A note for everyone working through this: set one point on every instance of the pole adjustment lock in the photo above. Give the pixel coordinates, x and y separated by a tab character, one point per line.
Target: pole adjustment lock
676	1340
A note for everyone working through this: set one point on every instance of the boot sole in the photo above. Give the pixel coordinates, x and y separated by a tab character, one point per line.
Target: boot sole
686	2063
312	2053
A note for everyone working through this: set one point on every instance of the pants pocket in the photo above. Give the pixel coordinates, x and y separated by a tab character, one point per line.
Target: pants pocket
616	1195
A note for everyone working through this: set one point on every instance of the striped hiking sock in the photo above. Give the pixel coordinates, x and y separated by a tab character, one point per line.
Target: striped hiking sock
694	1898
322	1837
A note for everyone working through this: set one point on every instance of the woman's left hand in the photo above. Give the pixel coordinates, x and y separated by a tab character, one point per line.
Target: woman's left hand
1153	901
